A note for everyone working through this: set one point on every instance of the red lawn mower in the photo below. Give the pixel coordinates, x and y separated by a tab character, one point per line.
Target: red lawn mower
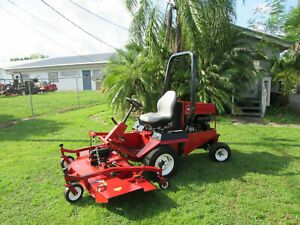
177	128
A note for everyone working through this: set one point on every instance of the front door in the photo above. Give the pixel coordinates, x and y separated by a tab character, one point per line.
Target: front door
86	80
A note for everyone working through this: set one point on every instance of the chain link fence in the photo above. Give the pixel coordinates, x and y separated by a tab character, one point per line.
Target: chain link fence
23	98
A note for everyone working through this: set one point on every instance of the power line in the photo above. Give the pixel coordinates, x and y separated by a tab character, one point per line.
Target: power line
76	25
43	21
99	17
42	34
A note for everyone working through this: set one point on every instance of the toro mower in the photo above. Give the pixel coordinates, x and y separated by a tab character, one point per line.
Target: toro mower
177	128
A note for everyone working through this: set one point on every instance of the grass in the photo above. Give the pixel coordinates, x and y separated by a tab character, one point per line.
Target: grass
259	185
18	107
283	115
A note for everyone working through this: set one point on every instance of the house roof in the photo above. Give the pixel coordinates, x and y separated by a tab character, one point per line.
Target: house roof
64	61
283	44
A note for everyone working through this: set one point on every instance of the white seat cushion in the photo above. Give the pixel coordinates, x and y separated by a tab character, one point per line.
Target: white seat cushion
165	107
153	117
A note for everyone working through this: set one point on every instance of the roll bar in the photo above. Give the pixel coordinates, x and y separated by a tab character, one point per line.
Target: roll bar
168	76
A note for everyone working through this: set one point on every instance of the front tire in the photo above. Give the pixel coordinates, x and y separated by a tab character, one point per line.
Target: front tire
219	152
64	164
70	196
163	157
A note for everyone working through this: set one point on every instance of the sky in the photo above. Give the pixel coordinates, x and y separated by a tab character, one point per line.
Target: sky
45	32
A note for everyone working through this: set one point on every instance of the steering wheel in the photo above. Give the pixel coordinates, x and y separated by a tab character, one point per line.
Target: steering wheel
134	103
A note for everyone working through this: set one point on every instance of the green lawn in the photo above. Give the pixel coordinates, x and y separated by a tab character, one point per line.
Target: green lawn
18	107
259	185
282	115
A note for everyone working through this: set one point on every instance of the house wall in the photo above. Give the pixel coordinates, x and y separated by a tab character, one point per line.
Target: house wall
294	101
254	90
66	80
4	74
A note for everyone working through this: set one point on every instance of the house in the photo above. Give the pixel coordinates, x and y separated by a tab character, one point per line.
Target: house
82	72
257	97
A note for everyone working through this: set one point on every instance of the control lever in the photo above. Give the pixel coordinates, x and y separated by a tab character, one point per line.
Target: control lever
113	119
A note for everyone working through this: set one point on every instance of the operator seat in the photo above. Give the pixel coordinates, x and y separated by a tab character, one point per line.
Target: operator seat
165	110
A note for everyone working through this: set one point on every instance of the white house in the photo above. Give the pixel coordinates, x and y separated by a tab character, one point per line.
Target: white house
84	72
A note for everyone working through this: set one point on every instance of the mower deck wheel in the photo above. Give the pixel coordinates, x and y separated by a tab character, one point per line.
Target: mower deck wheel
70	196
164	157
164	185
64	164
219	152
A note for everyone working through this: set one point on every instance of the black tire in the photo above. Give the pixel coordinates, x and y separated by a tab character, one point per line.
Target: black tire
163	151
63	163
70	197
219	152
164	185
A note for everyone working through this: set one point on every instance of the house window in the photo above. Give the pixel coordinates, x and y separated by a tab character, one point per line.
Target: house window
25	76
53	77
97	74
69	73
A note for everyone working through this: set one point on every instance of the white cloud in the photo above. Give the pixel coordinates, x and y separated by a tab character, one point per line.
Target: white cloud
18	40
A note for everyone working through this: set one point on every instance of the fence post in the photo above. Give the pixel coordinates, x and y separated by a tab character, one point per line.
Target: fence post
30	99
78	99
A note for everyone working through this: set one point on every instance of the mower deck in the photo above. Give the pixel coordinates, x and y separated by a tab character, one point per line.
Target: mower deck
113	178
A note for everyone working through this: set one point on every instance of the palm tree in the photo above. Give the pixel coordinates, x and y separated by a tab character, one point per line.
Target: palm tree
133	73
202	26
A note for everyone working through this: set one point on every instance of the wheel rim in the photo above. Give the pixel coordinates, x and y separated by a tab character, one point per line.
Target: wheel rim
221	154
74	197
166	163
165	185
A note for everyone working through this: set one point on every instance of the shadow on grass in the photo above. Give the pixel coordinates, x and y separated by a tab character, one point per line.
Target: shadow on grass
25	129
58	140
198	169
136	205
7	120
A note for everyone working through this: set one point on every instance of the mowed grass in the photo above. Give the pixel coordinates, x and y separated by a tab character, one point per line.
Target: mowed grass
19	107
259	185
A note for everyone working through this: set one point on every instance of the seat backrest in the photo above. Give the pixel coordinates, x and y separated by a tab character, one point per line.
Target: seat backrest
166	103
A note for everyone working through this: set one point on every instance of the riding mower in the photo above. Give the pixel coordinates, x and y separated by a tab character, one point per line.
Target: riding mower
20	86
177	128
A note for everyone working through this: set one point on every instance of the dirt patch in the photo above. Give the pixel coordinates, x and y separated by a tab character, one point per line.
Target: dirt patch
284	125
248	120
7	124
260	121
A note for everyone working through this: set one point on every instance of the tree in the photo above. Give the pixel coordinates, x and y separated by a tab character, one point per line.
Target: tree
292	25
32	56
270	18
287	70
273	19
204	27
134	73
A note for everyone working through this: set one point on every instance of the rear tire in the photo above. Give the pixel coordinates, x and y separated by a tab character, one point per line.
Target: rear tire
219	152
164	157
